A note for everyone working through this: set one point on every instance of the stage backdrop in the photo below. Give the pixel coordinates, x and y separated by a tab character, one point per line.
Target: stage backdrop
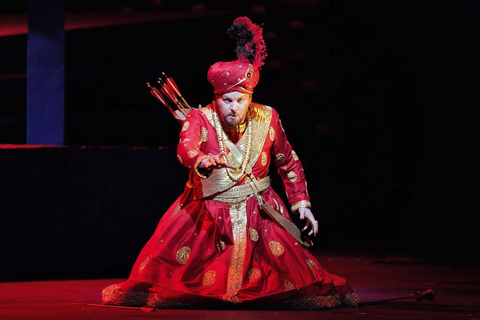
81	211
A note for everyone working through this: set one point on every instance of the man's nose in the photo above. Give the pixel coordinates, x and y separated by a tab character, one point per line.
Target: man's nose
234	107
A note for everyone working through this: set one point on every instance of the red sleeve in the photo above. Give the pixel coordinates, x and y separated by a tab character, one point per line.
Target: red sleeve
289	166
188	148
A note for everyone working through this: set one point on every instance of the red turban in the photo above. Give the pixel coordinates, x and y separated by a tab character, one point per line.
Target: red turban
242	74
233	76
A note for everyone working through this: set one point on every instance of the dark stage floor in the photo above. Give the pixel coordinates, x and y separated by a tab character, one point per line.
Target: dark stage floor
374	278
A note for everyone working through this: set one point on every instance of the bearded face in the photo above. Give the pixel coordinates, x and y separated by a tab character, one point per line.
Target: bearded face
233	107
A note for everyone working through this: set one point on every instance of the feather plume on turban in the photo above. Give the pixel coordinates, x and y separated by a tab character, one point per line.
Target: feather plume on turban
242	74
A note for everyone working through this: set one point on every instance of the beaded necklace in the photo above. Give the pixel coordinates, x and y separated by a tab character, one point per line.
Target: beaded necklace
236	173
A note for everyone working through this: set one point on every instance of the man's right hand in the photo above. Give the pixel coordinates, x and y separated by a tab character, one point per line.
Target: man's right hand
215	162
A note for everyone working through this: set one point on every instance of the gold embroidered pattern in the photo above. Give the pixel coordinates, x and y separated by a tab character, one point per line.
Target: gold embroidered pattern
281	209
204	134
280	158
313	302
276	248
312	265
116	296
209	278
155	301
264	158
294	155
144	263
253	234
271	132
350	299
242	192
186	125
179	159
253	274
238	217
288	286
292	176
261	116
192	153
183	254
113	295
301	204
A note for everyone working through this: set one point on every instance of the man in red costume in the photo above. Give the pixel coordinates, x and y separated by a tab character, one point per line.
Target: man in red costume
229	240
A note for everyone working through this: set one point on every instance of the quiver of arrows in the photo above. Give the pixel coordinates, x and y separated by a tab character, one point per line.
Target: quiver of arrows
168	91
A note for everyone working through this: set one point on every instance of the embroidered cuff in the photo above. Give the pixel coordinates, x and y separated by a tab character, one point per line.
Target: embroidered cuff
197	163
301	204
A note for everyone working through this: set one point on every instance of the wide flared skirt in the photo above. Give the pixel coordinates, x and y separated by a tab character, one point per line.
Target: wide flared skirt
221	255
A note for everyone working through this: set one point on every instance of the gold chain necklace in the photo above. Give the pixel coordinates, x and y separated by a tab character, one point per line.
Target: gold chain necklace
234	173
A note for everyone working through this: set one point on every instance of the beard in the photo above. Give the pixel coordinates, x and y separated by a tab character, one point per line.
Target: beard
233	120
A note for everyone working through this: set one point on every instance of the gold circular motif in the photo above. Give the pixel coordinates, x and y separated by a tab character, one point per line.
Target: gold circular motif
264	158
253	274
280	158
292	176
179	159
271	132
204	134
253	234
209	278
186	125
294	155
183	254
288	285
192	153
276	248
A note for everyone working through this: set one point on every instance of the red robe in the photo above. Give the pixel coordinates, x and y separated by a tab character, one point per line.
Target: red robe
209	252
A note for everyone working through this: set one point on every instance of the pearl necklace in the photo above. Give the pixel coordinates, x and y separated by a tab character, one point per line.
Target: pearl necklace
234	173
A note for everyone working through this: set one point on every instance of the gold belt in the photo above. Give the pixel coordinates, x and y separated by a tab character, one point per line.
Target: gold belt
243	192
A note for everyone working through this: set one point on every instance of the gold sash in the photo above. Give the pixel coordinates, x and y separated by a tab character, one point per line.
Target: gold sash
240	193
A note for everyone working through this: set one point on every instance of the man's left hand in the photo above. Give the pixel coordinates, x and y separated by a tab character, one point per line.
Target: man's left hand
311	222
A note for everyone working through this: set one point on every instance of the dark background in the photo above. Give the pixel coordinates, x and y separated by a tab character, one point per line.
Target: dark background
377	98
